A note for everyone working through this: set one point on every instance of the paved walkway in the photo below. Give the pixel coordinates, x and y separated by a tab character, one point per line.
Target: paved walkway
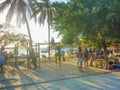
47	73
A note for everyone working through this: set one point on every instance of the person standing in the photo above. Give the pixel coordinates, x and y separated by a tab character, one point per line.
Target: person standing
86	57
93	54
1	61
63	55
33	59
5	55
80	56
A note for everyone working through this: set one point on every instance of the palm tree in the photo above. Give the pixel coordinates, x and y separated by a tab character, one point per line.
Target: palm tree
43	11
21	9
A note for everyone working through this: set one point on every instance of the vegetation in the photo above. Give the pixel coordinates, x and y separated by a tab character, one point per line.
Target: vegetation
95	22
9	36
87	20
21	9
92	22
43	11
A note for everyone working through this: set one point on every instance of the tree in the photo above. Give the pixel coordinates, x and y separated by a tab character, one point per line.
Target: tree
21	9
94	21
69	20
43	11
8	37
107	16
101	20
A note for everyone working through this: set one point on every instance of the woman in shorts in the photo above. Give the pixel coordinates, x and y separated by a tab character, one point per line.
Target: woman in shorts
80	59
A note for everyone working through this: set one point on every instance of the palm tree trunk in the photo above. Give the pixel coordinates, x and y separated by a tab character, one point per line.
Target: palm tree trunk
49	41
30	38
16	56
48	20
30	42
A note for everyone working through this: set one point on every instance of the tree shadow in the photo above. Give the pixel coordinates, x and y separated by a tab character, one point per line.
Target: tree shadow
51	76
5	81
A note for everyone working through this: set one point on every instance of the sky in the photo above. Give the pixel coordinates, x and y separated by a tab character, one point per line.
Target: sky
39	34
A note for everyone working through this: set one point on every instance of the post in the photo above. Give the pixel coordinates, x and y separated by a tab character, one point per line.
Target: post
36	47
16	56
59	50
39	54
28	56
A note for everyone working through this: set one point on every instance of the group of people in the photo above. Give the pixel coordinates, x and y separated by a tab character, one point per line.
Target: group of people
60	53
4	56
82	56
88	57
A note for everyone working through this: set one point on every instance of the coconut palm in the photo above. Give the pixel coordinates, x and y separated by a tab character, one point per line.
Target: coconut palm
21	10
43	11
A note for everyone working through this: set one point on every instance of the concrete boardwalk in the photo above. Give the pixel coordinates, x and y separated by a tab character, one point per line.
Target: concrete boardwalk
49	72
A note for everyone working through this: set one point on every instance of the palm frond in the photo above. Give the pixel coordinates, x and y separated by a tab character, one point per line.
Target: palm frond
4	5
42	17
42	10
50	16
36	11
21	12
11	11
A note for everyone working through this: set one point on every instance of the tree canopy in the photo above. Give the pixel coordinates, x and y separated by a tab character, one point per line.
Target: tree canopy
91	21
9	36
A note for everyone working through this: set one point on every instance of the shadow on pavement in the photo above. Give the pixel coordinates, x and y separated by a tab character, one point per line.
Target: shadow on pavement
25	78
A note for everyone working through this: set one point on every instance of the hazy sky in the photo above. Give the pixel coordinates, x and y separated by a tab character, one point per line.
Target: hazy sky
40	34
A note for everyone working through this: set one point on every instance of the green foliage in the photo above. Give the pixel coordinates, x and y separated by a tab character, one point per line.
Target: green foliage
93	21
20	10
8	37
64	21
43	11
